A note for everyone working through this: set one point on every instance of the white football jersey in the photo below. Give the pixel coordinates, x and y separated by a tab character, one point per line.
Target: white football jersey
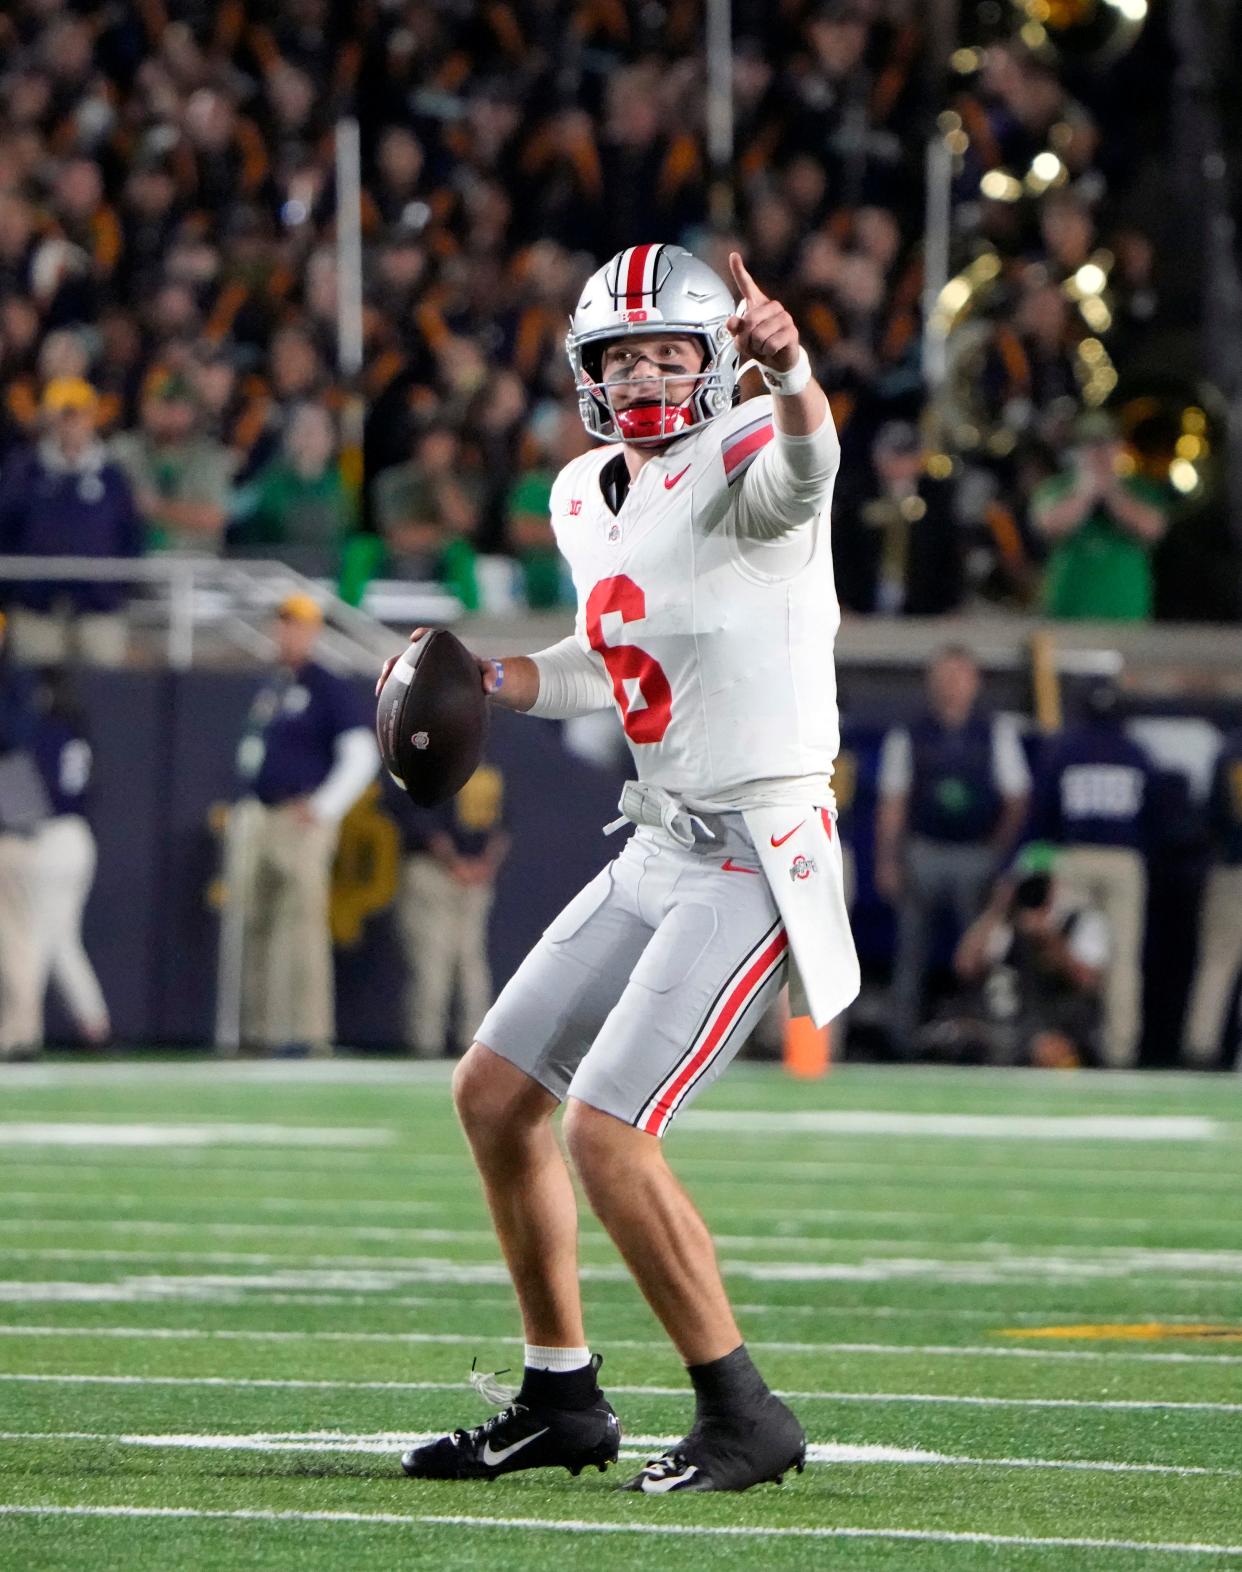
718	642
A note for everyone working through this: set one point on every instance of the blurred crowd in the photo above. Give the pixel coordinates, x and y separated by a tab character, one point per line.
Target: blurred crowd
168	285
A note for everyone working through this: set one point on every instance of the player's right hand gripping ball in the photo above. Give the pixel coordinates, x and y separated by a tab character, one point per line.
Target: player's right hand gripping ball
431	719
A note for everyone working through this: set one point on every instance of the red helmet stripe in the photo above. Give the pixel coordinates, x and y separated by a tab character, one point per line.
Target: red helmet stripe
634	277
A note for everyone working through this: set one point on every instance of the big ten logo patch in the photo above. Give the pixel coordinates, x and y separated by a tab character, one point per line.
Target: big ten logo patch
479	805
367	867
574	506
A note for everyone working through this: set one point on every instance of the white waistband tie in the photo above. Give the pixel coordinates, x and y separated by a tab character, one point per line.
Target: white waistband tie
653	806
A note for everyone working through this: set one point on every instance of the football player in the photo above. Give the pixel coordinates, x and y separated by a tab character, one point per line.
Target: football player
698	538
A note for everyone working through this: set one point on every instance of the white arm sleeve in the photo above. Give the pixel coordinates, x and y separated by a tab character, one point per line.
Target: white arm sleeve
895	764
789	482
1010	771
353	770
571	682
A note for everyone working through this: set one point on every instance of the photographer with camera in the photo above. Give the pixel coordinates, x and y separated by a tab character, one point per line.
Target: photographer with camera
1034	962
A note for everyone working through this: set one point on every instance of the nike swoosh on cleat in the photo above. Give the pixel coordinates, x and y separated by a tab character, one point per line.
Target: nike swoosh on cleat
671	480
661	1487
494	1459
781	839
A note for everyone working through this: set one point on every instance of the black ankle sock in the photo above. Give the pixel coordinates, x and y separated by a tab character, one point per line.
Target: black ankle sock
560	1388
727	1386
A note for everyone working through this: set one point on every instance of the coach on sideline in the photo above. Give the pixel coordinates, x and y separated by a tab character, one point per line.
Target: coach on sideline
308	754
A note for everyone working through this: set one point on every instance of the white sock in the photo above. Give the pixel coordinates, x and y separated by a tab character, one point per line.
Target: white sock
557	1359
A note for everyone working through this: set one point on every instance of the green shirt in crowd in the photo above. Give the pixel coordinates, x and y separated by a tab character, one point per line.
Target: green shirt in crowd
1101	569
284	508
541	565
199	471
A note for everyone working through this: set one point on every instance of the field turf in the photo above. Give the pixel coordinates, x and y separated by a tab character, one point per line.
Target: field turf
230	1293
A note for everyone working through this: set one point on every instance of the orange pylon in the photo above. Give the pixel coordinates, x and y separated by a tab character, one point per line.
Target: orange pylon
808	1048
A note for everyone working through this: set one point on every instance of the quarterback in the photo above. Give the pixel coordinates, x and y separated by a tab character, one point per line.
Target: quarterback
697	534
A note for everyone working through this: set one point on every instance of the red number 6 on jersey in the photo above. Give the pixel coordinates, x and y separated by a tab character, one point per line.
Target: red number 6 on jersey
626	662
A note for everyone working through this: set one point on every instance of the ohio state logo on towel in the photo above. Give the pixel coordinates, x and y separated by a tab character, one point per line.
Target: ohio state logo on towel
801	867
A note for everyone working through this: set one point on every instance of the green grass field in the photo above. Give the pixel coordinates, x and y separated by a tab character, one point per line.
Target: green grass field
232	1292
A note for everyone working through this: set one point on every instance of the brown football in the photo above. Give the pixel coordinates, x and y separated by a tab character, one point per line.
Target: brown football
431	718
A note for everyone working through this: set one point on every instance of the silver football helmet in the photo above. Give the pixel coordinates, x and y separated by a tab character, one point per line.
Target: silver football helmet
644	290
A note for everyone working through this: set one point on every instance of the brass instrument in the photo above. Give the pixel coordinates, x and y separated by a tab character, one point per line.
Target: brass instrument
1089	31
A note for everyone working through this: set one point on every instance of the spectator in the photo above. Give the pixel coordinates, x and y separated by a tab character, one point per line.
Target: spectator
560	436
1102	525
308	754
954	791
898	549
65	498
298	507
181	477
1093	799
1034	961
429	512
452	857
65	859
23	808
1220	920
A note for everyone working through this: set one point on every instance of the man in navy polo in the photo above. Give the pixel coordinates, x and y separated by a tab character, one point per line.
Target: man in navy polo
954	791
308	754
64	497
1093	797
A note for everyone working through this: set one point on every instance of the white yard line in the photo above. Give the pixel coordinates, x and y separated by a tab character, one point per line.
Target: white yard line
1049	1256
445	1169
931	1217
243	1292
299	1384
384	1442
977	1127
82	1133
470	1339
576	1526
219	1072
379	1272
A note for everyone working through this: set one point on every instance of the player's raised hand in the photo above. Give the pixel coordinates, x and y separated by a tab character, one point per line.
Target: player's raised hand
762	329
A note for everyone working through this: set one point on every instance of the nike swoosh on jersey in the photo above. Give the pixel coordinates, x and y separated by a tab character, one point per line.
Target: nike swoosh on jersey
780	840
729	866
494	1459
671	480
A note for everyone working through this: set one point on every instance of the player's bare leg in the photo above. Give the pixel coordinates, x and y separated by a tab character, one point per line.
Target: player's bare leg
560	1418
742	1434
507	1118
656	1227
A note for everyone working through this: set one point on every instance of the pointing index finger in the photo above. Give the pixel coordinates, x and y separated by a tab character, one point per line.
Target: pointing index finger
750	291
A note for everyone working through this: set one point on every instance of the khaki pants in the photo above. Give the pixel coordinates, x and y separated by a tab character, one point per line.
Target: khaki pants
443	928
287	982
64	870
21	1014
1114	878
50	638
1220	955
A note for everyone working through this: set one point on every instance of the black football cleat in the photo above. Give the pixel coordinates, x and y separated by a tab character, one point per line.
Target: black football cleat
729	1454
522	1437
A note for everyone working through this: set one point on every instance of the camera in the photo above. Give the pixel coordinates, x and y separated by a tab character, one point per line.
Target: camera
1032	892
